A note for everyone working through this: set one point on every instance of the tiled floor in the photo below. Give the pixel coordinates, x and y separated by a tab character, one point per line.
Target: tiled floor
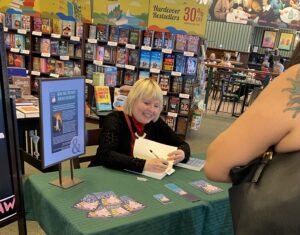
211	126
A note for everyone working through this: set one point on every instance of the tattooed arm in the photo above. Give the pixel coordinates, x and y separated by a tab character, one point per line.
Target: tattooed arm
273	119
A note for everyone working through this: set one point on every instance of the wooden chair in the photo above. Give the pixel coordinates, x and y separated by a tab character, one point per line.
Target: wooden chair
91	139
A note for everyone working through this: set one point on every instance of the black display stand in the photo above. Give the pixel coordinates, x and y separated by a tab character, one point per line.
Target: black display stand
11	194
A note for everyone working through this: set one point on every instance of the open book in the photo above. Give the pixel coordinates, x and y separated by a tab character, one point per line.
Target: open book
147	149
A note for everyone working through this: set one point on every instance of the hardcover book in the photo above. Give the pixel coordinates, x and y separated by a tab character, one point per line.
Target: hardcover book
46	25
63	47
89	51
180	42
164	82
156	60
145	59
59	67
123	36
191	65
144	74
68	28
173	104
51	63
180	63
71	49
7	37
19	41
133	58
69	68
19	61
168	40
107	54
10	59
158	40
36	64
188	86
77	68
45	45
16	21
92	31
37	24
193	43
171	122
102	32
111	74
26	23
99	53
79	29
37	44
102	97
23	83
176	85
184	106
130	77
27	43
147	38
165	103
78	50
182	124
134	36
8	20
168	62
89	69
121	55
56	26
113	33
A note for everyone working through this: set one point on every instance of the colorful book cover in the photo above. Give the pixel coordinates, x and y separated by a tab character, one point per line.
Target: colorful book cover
98	79
180	42
10	59
176	85
123	35
144	74
63	47
165	103
16	21
121	55
19	60
154	77
133	58
156	60
111	74
77	68
26	23
171	122
168	62
90	49
36	64
51	65
99	53
113	33
102	32
89	69
8	20
69	68
102	97
12	40
71	49
184	106
92	31
168	40
7	40
56	26
23	83
20	41
45	45
193	43
158	40
180	63
36	44
164	82
27	43
68	28
134	37
173	104
145	59
191	65
147	38
188	85
59	67
37	24
46	25
79	29
130	77
78	50
107	54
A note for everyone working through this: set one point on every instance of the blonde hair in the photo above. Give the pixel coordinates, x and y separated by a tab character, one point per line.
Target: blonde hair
143	88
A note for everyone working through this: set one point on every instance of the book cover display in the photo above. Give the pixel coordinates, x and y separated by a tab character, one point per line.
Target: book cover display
123	36
147	38
145	59
102	32
102	96
156	60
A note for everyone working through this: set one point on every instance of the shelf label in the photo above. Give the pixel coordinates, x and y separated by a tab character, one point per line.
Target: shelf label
74	38
120	65
130	46
16	50
164	92
27	71
130	67
153	70
113	44
54	75
5	29
22	31
36	33
37	73
89	81
172	114
55	35
45	54
64	57
146	48
188	53
26	52
174	73
98	62
185	96
92	40
167	51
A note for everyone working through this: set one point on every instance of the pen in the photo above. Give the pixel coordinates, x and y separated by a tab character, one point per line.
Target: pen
151	151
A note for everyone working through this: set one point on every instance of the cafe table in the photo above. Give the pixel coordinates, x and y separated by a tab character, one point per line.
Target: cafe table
52	207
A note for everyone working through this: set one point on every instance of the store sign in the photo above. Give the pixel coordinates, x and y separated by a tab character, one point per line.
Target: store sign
187	17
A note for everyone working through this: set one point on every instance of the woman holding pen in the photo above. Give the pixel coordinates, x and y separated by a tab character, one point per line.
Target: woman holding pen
139	118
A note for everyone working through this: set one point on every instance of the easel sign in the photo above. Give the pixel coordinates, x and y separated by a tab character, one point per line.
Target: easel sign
62	117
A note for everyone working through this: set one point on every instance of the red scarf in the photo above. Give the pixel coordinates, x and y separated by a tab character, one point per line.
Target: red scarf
139	126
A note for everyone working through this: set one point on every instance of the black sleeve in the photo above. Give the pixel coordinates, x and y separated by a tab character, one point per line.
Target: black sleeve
114	146
166	135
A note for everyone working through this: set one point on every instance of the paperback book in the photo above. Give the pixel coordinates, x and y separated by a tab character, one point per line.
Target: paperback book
79	29
102	97
113	33
130	77
164	82
92	31
156	60
180	42
191	65
193	43
68	28
171	122
145	59
46	26
168	62
148	38
56	26
173	104
102	32
184	106
123	36
37	24
158	40
16	21
26	22
134	37
133	58
168	40
180	63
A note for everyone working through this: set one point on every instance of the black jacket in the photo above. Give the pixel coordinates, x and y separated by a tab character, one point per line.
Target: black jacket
114	149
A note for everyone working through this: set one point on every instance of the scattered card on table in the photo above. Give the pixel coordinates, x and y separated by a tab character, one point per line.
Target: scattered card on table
181	192
130	204
162	198
118	211
100	212
89	202
108	198
206	187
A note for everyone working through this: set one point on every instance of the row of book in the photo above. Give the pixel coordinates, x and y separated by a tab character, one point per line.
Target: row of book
105	76
52	65
149	38
18	41
44	25
177	124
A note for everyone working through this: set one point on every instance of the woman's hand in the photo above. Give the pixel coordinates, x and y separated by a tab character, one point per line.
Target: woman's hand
156	165
177	156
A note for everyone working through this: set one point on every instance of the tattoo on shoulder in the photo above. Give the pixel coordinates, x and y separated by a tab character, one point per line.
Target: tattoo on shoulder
294	97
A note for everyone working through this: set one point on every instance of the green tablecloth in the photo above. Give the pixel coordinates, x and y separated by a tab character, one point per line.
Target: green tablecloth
52	206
